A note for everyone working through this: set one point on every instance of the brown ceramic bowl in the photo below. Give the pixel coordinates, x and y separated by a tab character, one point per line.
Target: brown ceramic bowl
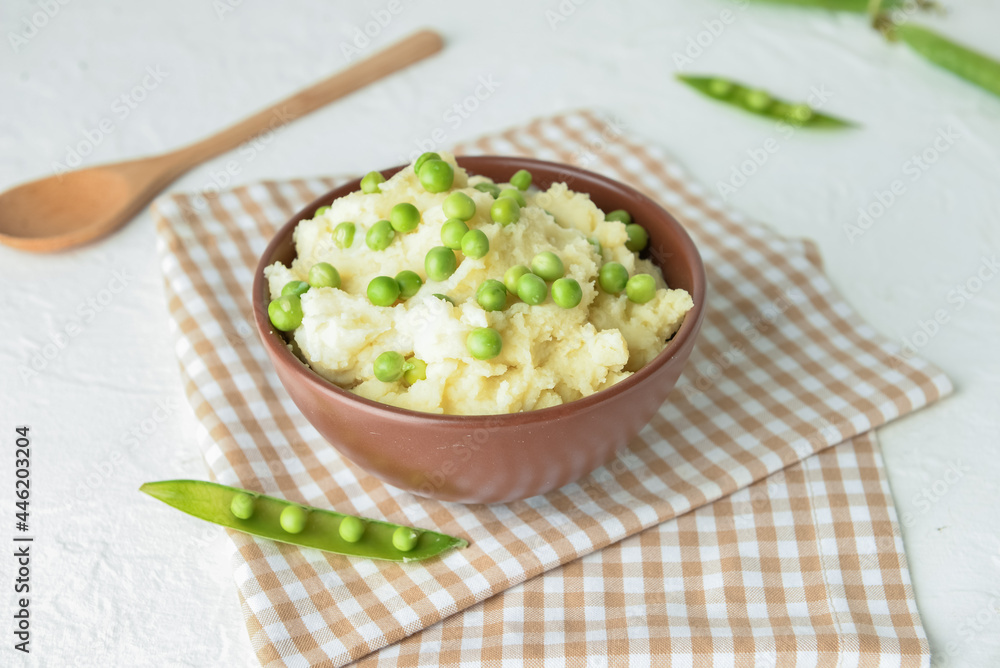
485	459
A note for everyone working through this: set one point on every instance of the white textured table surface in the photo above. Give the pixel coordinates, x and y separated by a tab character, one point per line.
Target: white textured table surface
107	412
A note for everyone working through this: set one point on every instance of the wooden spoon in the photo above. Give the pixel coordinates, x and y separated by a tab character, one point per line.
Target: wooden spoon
74	208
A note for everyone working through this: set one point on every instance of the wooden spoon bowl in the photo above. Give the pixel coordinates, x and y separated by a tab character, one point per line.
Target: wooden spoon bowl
64	211
74	208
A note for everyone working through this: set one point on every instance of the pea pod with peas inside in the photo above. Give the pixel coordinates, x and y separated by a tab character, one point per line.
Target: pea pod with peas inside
762	103
287	522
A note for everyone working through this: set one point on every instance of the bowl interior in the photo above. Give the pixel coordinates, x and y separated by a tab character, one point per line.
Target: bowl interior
670	248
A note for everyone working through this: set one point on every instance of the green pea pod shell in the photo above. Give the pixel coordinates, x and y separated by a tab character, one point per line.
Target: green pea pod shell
856	6
763	104
214	503
971	65
832	5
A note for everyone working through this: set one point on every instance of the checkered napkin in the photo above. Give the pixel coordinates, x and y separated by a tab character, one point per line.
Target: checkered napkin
719	538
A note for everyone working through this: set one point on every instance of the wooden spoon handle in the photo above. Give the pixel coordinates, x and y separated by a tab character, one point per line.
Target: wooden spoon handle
414	48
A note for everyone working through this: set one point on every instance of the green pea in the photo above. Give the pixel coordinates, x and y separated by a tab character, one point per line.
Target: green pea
511	276
621	215
293	519
566	292
452	232
757	100
424	157
492	295
351	529
720	88
640	288
444	298
436	176
531	289
414	370
597	246
404	539
320	211
242	506
521	179
515	193
370	184
388	367
488	187
440	263
612	277
505	210
484	343
380	235
285	312
638	237
343	235
383	291
547	266
404	217
459	205
475	244
297	288
324	275
800	113
409	283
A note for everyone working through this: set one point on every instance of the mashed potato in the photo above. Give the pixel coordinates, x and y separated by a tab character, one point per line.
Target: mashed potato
550	355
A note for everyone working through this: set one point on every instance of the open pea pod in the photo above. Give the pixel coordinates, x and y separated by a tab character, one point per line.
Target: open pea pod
762	103
287	522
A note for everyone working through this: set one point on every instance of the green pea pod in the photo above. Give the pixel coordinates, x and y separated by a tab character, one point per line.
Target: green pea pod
856	6
280	520
832	5
761	103
971	65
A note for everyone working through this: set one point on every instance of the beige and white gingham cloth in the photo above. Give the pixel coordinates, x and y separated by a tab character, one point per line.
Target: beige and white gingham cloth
731	541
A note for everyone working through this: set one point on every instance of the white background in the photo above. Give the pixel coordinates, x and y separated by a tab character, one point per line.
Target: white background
119	580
